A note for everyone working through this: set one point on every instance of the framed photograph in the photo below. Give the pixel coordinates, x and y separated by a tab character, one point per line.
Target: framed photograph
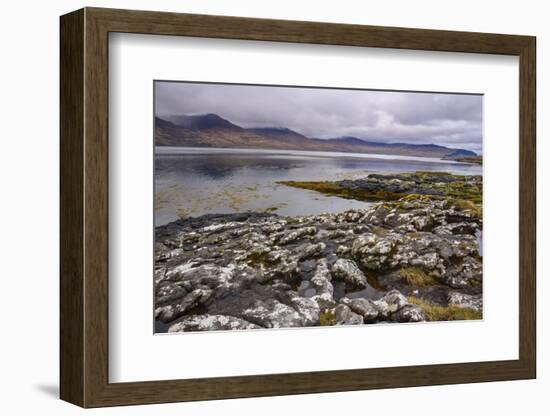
260	207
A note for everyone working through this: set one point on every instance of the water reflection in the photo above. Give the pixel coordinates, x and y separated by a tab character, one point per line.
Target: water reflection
200	181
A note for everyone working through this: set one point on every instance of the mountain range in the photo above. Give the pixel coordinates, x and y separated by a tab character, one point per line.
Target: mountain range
211	130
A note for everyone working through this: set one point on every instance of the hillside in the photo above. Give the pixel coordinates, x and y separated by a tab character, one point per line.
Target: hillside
211	130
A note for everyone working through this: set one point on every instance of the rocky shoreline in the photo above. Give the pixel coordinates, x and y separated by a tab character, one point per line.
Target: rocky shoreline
413	257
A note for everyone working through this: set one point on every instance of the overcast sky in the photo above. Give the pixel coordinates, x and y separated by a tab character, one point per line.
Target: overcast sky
445	119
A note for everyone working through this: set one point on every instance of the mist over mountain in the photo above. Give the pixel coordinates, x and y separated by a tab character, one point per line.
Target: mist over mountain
211	130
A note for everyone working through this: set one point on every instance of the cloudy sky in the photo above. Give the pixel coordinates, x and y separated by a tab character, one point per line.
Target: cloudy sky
445	119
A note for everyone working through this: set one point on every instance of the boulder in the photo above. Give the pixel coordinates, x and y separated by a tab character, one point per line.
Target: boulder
348	271
271	313
210	323
296	235
463	300
364	307
321	282
345	316
389	303
168	292
172	311
311	250
408	313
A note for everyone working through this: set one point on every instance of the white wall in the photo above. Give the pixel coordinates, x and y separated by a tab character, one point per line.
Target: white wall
29	209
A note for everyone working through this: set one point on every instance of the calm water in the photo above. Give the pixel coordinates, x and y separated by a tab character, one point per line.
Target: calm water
197	181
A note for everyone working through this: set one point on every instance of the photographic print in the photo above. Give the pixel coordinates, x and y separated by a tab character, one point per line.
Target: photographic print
292	207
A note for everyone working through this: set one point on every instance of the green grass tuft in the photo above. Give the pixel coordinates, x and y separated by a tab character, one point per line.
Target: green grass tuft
445	313
333	189
415	276
464	205
327	317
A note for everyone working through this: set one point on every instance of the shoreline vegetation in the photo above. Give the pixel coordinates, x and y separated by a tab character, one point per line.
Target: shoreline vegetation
377	187
475	160
413	255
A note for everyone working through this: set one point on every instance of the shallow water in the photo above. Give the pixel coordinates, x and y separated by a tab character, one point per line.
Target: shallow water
197	181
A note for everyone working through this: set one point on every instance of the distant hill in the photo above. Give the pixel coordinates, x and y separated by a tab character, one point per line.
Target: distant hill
211	130
348	140
283	136
202	122
160	123
460	153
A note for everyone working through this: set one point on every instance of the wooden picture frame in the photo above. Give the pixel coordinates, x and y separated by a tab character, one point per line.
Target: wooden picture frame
84	207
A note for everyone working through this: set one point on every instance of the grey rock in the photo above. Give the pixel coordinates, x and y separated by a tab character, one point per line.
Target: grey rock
339	290
408	313
304	285
296	235
307	308
307	266
172	311
348	271
464	300
464	275
210	322
345	316
168	292
309	293
364	307
373	251
321	281
427	261
342	250
271	313
204	275
311	250
391	302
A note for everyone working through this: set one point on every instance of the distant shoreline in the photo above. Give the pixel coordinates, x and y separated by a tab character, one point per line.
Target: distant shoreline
167	150
474	160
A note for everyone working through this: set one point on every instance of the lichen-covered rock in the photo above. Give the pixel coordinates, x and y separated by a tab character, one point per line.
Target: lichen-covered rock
210	323
393	306
321	283
307	308
168	292
271	313
203	275
391	302
464	300
311	250
345	316
426	261
172	311
296	235
364	307
457	228
348	271
464	275
408	313
265	270
373	251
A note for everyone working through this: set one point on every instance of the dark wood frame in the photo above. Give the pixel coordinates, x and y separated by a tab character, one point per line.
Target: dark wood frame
84	208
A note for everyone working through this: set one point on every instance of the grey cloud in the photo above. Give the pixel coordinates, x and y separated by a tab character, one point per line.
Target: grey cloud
447	119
